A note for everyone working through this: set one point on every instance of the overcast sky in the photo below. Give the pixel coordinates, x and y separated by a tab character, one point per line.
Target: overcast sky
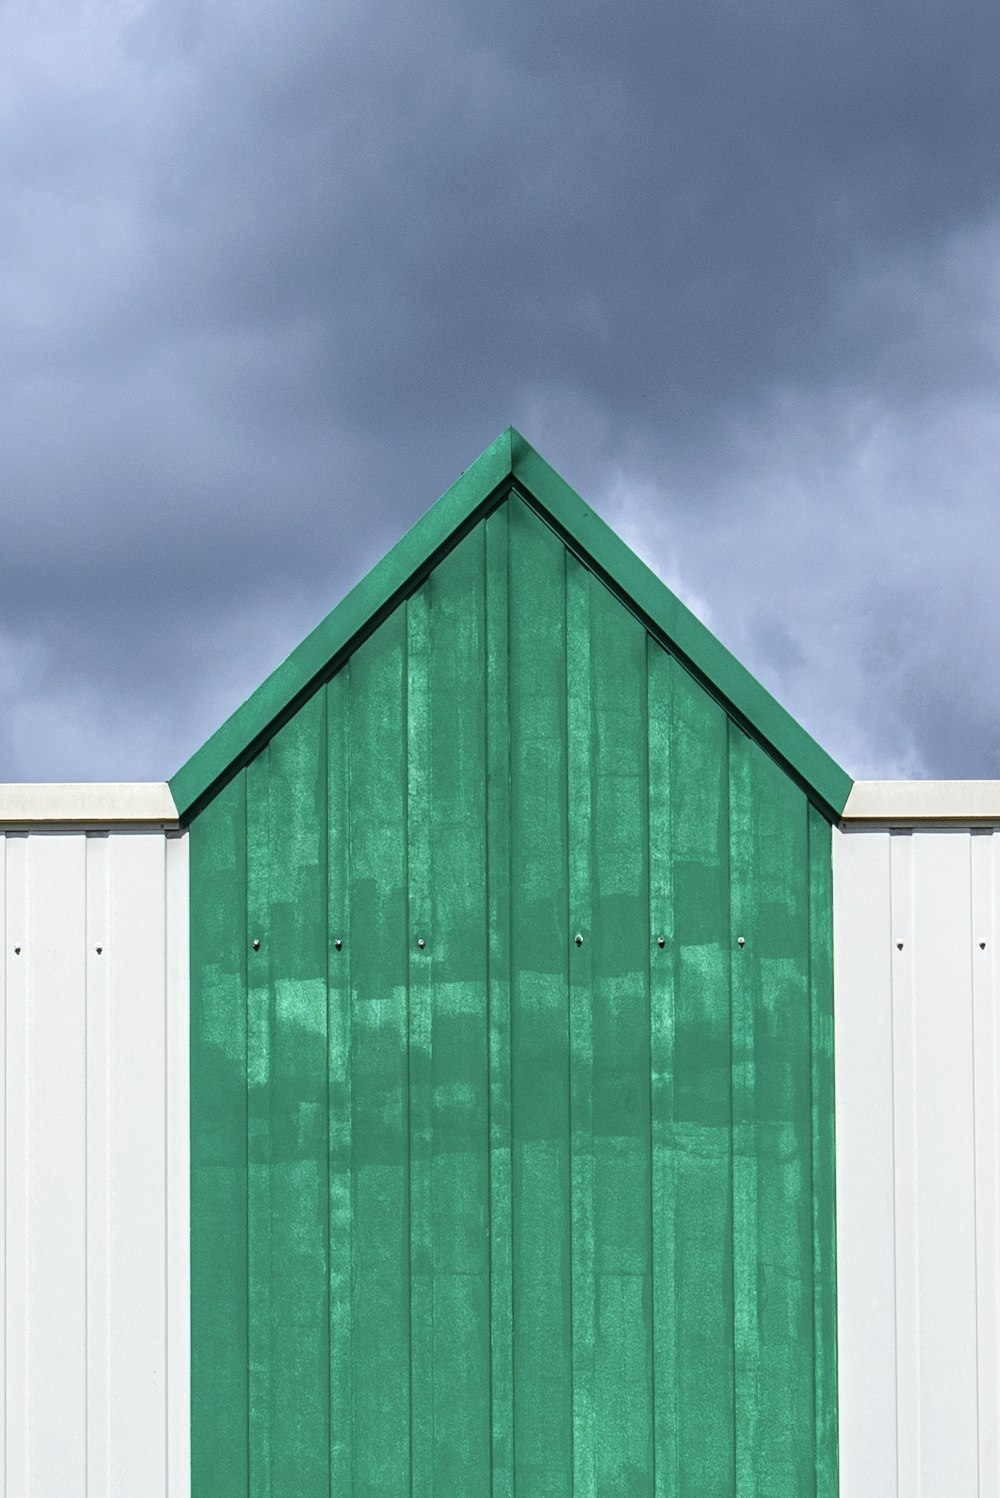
274	274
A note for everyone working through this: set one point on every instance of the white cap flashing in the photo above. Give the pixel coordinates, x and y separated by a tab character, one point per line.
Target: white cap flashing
93	804
923	801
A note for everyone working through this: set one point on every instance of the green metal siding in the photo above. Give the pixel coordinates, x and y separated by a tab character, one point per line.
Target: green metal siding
508	466
540	1206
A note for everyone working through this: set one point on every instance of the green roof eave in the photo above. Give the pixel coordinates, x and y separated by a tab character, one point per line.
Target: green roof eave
509	463
378	592
720	670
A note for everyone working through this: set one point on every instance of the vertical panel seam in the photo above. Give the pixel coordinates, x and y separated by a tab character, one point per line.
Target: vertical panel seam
499	1048
166	1120
644	741
324	846
488	748
488	997
407	612
816	1267
4	897
245	966
732	1080
86	1169
580	730
975	1174
569	1023
340	1008
894	916
349	867
647	860
509	677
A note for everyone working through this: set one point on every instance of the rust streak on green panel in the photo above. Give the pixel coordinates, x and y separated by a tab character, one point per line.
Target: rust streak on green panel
219	1291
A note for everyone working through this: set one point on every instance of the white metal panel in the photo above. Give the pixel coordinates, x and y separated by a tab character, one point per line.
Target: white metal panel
3	1154
944	1141
99	1150
137	1189
915	932
53	954
178	1171
96	1129
904	1144
17	1223
985	851
866	1282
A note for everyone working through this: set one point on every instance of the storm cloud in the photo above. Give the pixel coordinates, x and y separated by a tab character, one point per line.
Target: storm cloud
272	276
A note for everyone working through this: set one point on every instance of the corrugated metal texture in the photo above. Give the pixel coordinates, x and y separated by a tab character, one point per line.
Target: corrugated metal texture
512	1155
918	1159
95	1200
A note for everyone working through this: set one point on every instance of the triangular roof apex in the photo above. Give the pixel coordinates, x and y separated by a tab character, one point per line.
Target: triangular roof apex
509	462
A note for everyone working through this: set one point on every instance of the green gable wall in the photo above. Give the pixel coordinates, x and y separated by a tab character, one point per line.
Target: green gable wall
512	1096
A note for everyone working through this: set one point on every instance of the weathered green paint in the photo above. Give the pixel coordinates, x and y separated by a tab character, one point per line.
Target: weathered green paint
220	1361
508	466
541	1206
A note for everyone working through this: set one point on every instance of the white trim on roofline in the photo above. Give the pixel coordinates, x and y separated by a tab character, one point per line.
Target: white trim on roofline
93	804
923	801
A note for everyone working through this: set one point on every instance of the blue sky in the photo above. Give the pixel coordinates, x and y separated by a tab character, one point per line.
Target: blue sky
273	275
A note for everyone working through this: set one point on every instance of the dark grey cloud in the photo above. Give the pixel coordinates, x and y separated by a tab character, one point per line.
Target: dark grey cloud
272	276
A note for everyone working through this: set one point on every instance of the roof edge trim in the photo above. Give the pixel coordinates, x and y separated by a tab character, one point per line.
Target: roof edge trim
378	592
509	461
692	639
903	801
89	803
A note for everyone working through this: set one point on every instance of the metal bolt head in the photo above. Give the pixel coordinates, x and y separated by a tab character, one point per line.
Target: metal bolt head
256	943
579	939
661	941
421	943
338	944
741	941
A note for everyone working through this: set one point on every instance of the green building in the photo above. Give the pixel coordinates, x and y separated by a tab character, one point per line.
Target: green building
511	1040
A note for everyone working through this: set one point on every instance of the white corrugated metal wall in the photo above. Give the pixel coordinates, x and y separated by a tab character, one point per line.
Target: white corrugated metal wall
93	921
917	942
93	986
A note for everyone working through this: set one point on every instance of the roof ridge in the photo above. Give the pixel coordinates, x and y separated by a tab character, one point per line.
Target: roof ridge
509	463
